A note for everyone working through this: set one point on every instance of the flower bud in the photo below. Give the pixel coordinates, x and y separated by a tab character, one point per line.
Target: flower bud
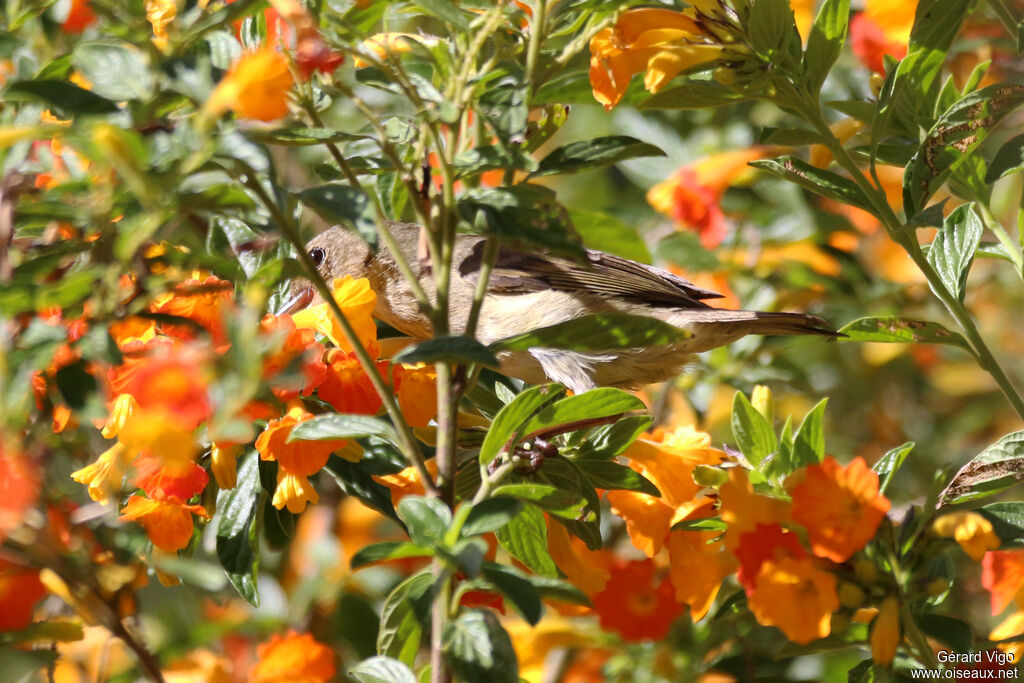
885	632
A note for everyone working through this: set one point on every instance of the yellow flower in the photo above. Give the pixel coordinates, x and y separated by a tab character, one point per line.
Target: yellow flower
356	300
125	406
224	463
104	476
1011	627
417	393
660	42
972	531
293	492
885	632
380	45
743	510
160	14
255	87
159	435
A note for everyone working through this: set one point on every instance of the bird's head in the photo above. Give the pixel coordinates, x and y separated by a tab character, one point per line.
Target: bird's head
336	253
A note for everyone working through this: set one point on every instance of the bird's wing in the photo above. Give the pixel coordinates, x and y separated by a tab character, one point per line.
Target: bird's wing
517	272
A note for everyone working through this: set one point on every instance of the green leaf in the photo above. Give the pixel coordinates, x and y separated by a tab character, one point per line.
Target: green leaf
953	632
427	519
299	136
386	551
594	404
525	538
751	430
609	441
606	233
809	440
338	426
76	384
606	474
896	330
771	26
402	618
237	529
952	251
889	464
825	44
478	648
585	155
116	71
453	349
523	214
517	587
445	11
61	95
512	417
995	469
355	481
1007	522
596	332
692	95
954	137
819	181
548	498
504	108
478	160
491	515
1009	159
382	670
342	204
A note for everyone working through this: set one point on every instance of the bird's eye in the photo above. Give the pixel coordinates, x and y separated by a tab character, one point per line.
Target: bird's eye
317	255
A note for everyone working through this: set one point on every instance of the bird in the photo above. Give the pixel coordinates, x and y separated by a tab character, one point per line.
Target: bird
528	290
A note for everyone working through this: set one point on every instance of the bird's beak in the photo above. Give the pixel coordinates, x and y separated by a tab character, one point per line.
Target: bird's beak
297	301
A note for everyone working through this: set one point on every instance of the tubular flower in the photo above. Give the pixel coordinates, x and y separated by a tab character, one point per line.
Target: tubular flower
357	301
160	14
697	567
841	508
668	460
588	570
19	488
883	28
104	476
20	590
636	605
160	435
296	345
167	521
885	632
382	45
255	87
743	510
1002	574
346	385
170	384
406	482
416	387
660	42
304	458
80	17
972	531
294	492
766	542
294	657
224	464
122	409
789	581
203	301
182	480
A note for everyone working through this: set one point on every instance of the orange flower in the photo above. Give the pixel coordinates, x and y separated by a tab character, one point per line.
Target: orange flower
588	570
883	28
407	482
159	434
669	465
293	658
417	393
1002	574
123	408
224	463
294	344
255	87
840	507
660	42
182	480
743	510
381	45
167	521
885	632
20	590
634	604
787	582
169	384
199	666
80	17
19	488
692	194
347	387
1011	627
357	301
697	567
304	458
204	302
766	542
972	531
160	14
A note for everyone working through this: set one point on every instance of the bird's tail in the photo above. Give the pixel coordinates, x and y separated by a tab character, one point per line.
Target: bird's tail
764	322
727	325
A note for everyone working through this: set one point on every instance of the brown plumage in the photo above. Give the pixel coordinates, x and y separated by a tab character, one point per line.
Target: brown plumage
532	290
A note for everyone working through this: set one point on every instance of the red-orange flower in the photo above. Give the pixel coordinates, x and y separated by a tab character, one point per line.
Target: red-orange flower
697	567
255	87
416	387
296	346
80	17
786	583
765	542
883	28
840	507
1002	574
19	488
293	658
167	521
20	590
743	509
182	481
635	604
170	384
304	458
203	301
347	387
